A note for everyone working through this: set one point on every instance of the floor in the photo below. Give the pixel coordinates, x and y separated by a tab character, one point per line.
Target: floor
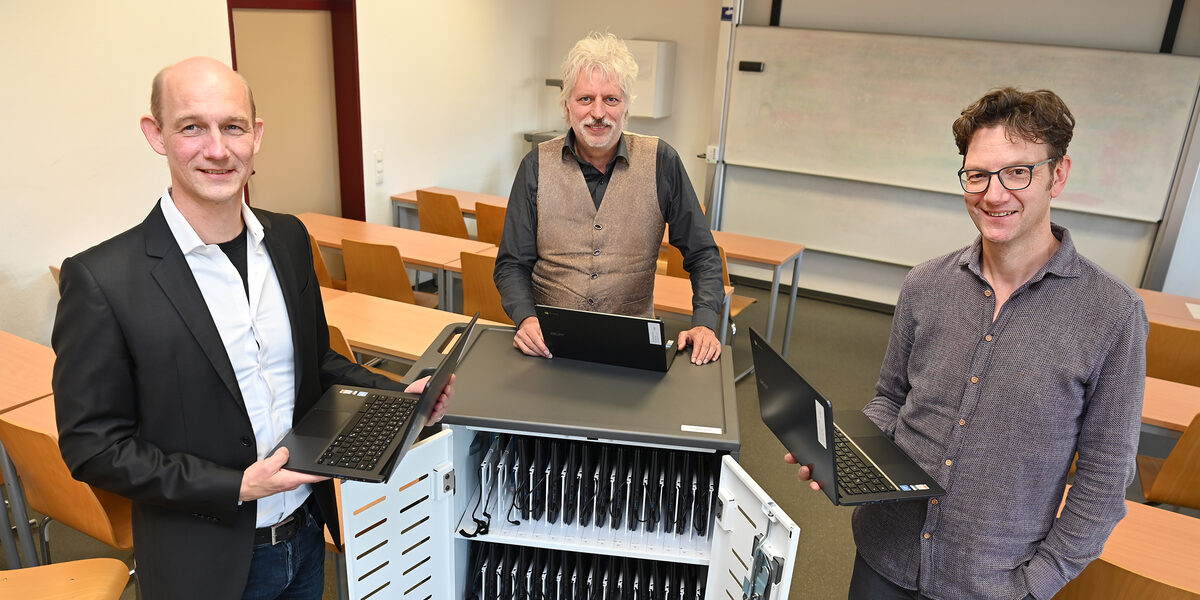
839	348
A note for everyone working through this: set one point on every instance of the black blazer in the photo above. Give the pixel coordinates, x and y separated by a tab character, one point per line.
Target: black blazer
148	406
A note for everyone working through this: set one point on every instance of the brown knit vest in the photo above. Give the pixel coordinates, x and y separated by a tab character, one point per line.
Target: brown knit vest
600	260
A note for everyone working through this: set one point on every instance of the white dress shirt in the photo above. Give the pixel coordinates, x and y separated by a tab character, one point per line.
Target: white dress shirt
257	335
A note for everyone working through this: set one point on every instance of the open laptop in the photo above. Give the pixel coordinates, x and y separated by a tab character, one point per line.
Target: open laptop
852	459
361	433
624	341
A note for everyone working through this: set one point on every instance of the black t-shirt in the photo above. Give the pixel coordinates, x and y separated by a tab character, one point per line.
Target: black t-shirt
235	249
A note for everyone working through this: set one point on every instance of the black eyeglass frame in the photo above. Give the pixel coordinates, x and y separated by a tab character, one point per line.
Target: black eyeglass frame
997	172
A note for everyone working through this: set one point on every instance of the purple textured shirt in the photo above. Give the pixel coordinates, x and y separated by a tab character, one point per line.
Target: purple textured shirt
995	411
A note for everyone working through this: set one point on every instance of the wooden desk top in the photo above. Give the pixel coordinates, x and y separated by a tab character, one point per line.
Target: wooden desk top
755	249
25	370
330	294
466	200
1169	309
417	247
671	294
389	328
36	416
1170	405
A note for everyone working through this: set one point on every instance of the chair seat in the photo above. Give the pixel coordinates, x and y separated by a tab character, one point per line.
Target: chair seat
90	579
739	303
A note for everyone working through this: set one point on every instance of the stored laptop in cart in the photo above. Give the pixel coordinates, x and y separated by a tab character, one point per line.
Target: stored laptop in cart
409	537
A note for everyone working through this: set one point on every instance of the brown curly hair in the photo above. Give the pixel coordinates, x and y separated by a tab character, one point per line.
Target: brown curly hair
1037	117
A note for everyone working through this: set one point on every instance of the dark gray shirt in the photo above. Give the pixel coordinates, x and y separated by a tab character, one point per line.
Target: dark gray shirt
995	411
687	229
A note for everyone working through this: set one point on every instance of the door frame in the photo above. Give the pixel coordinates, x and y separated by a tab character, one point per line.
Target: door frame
348	108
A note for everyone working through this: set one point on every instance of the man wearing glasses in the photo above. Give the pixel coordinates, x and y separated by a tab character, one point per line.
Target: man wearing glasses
1006	359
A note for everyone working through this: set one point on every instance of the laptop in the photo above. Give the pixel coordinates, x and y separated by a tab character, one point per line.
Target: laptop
852	459
361	433
621	340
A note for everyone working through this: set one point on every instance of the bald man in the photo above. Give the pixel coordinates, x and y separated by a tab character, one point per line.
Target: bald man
187	347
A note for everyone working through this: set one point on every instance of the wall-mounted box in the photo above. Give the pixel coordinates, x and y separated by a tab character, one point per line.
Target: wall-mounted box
654	89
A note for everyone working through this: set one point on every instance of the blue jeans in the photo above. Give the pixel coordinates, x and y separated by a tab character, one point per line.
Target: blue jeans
291	570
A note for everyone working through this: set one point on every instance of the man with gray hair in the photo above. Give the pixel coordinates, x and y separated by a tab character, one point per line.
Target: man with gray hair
587	212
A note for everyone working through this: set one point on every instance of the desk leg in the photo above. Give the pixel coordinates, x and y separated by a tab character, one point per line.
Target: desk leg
787	332
16	499
773	302
7	541
448	285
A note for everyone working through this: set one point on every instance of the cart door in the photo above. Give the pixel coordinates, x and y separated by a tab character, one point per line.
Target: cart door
397	533
754	543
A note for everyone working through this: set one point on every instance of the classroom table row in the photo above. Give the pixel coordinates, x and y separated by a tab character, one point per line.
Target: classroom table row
778	256
442	255
1173	346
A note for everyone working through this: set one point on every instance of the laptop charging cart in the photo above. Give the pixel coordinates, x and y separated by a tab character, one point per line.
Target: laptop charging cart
455	520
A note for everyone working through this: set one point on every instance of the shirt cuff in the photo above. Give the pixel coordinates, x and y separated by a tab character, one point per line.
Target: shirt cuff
706	317
1042	578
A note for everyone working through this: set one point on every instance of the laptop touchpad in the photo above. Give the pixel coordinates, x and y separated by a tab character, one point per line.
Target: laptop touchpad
322	423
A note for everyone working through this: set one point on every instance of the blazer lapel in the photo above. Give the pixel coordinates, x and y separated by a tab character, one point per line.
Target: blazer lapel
175	278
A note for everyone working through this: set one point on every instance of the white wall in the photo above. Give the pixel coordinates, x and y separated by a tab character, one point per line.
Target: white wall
447	89
74	168
691	24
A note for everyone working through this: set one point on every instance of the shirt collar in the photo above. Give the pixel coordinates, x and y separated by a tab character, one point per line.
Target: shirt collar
569	147
186	236
1064	262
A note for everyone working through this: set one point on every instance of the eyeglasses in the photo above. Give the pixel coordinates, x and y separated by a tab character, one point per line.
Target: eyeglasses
1014	178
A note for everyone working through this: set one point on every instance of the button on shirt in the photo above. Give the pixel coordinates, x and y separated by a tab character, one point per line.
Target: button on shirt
257	336
995	411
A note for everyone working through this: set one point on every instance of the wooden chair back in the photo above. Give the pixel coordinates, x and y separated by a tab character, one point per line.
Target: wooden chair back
489	222
479	288
1175	480
341	345
30	435
1173	353
378	270
55	272
86	579
674	263
441	214
322	270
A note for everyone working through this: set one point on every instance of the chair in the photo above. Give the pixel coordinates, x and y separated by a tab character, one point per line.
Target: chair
1176	479
322	270
479	289
489	222
88	579
441	214
674	268
55	272
339	344
378	270
30	435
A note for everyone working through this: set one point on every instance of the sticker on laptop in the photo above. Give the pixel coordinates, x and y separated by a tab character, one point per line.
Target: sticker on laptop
655	333
700	429
820	423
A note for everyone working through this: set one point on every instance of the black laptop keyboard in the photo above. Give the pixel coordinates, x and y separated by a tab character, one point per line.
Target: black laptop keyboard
368	433
854	474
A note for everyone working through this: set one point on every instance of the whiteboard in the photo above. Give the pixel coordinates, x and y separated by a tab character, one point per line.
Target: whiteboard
878	108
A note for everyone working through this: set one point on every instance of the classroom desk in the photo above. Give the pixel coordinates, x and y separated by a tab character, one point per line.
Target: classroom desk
776	255
404	205
26	369
1150	543
1173	347
421	250
386	328
671	294
1168	407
